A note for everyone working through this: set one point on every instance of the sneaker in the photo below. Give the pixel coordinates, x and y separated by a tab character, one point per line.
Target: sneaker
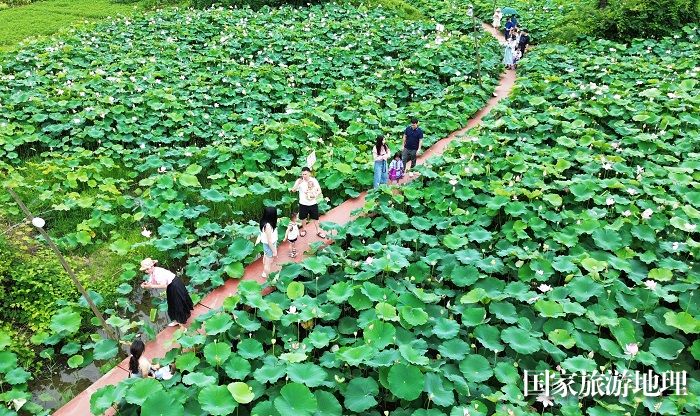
173	323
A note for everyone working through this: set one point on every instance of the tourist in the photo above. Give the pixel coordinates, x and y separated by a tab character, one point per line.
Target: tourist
523	42
509	26
380	152
292	234
268	237
497	16
141	367
396	168
179	302
412	140
508	54
309	194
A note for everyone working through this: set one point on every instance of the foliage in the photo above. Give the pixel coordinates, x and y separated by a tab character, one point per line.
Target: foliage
532	241
287	80
623	20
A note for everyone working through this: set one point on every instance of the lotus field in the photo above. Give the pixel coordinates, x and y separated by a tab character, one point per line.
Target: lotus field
561	235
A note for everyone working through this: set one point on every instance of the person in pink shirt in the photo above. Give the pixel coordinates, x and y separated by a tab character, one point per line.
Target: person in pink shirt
180	304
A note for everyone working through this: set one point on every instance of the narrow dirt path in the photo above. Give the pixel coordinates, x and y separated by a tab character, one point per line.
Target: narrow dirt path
80	405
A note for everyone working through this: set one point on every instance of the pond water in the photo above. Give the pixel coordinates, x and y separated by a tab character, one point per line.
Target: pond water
56	384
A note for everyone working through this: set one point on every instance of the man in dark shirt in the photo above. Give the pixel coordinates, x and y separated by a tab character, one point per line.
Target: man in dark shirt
509	26
412	141
522	45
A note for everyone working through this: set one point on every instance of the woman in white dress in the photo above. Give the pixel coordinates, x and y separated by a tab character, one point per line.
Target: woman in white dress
497	16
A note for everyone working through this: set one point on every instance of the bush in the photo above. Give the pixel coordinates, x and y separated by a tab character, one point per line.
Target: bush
629	19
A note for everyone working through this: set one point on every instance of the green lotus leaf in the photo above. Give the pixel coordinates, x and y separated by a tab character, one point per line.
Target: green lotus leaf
216	400
217	353
76	361
198	379
187	361
520	340
17	375
476	368
340	292
308	374
296	399
236	367
413	316
66	321
328	405
249	348
666	348
683	321
218	323
105	349
454	349
161	403
360	394
142	390
295	290
241	392
406	381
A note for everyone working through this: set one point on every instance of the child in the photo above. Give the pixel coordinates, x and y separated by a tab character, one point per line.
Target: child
517	54
292	234
396	168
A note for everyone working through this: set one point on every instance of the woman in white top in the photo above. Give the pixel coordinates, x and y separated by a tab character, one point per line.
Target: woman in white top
497	16
180	304
380	152
268	237
141	367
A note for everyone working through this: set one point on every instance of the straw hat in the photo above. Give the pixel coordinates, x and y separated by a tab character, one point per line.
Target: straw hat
147	263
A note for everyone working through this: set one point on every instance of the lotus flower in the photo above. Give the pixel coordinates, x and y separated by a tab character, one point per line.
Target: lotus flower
632	349
544	288
650	284
545	400
627	213
690	227
607	165
610	201
369	260
146	233
292	309
631	191
439	27
647	213
38	222
675	245
453	182
162	169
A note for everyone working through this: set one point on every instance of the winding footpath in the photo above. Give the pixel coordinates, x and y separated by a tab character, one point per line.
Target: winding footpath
80	404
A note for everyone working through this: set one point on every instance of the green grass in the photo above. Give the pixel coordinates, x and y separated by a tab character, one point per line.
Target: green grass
48	17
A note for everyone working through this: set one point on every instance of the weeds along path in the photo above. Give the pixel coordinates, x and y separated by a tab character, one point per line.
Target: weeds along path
80	405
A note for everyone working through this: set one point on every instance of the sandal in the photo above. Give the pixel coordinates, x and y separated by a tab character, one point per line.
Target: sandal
302	233
321	234
293	253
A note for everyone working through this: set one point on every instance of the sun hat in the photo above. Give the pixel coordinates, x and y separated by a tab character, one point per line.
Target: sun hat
147	263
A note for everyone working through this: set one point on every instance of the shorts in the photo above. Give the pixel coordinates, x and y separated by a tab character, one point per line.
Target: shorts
308	211
409	155
267	250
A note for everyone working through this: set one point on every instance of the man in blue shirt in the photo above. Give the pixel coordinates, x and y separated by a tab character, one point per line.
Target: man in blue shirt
412	141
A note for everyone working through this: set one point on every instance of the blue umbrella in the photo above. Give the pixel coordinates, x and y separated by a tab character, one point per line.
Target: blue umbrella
507	11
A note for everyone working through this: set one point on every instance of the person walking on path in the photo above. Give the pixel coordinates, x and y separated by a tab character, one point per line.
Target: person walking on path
309	195
412	141
268	237
523	42
508	58
380	152
508	27
180	304
497	16
396	169
292	234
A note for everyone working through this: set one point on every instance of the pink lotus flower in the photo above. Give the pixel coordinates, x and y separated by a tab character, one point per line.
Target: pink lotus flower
369	260
632	349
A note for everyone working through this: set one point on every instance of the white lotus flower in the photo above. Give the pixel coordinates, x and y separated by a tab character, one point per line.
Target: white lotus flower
675	245
292	309
544	288
607	165
369	260
615	145
38	222
690	227
146	233
647	213
650	284
162	169
453	182
631	191
632	349
627	213
540	272
545	400
610	201
439	27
